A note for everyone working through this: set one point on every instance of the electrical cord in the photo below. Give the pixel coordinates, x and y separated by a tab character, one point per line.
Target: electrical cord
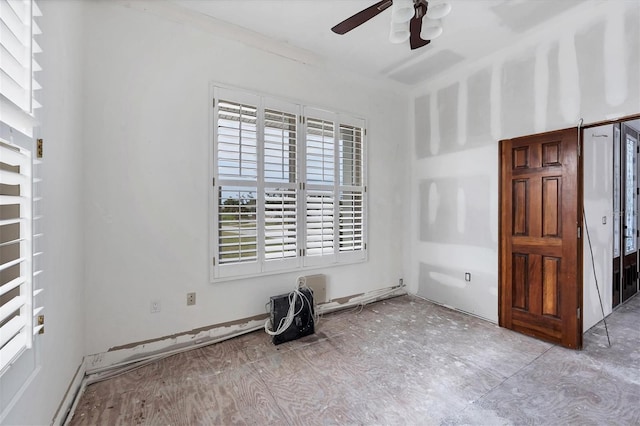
286	321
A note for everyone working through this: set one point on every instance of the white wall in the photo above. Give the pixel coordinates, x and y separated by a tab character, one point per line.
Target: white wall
598	204
61	348
147	109
585	65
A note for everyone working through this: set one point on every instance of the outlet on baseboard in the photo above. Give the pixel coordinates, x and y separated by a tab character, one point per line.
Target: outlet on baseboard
467	276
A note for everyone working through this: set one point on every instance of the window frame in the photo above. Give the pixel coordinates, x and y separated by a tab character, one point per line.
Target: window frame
301	261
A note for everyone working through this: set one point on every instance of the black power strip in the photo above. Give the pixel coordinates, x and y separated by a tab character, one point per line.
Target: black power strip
303	323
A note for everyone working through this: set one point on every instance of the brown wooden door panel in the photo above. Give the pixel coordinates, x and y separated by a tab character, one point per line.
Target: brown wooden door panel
539	293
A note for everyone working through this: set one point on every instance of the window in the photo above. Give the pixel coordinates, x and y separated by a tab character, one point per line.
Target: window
288	186
19	243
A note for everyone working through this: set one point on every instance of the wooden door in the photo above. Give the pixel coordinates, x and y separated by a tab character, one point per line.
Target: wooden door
540	289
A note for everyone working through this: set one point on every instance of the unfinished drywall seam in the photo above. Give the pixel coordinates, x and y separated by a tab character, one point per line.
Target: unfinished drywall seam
615	60
462	112
569	78
434	140
496	104
541	82
579	18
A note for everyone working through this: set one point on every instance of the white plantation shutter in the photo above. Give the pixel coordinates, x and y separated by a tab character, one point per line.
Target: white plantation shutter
320	175
280	187
17	64
237	176
351	190
19	191
289	191
16	271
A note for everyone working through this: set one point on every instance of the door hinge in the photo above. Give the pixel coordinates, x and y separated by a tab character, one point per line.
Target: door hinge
579	232
214	103
301	119
41	322
39	148
213	181
214	261
578	313
302	252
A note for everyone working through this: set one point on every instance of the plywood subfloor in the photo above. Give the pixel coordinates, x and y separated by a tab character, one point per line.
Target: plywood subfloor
401	361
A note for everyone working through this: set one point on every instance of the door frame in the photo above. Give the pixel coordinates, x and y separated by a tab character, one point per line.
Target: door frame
580	260
574	342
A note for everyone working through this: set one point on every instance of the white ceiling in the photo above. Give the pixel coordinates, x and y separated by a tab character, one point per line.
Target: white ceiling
473	29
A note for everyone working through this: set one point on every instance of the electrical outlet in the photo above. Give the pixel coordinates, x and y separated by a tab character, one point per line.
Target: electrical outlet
155	306
191	299
467	276
400	282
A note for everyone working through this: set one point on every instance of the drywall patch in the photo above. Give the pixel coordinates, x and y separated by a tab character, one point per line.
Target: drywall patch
589	50
553	114
434	203
465	201
541	87
518	96
434	141
615	59
462	113
632	44
422	118
426	68
479	108
462	210
569	79
496	105
448	117
447	286
520	16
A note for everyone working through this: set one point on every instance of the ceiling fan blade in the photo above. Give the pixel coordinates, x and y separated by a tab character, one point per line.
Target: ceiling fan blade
415	26
361	17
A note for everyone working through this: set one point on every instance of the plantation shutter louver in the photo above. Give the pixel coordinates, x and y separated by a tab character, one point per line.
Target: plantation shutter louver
17	64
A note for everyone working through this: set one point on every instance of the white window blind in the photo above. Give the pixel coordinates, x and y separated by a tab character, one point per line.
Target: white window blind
289	188
17	64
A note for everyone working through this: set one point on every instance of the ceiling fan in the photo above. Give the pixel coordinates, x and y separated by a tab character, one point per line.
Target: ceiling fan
406	20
